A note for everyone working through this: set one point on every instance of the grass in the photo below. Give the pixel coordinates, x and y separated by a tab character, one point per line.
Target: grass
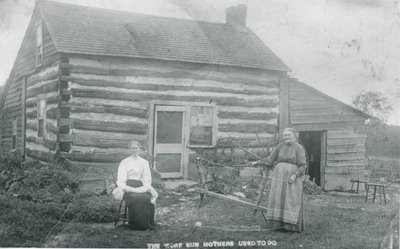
330	222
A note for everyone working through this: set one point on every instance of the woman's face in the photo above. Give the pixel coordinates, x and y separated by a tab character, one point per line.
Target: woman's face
135	149
288	137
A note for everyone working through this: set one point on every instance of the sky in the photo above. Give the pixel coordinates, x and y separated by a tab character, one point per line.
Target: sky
340	47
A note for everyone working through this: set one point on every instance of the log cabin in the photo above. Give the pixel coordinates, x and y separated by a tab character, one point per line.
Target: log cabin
87	81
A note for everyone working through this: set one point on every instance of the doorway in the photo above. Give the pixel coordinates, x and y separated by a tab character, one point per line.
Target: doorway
168	140
311	140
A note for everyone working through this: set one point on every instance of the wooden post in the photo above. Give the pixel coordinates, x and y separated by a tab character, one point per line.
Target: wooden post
261	189
200	173
283	103
23	117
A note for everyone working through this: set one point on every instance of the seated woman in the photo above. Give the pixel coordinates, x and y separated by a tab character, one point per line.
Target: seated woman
134	177
285	202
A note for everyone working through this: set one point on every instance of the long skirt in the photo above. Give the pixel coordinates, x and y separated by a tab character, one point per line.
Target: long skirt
140	209
285	202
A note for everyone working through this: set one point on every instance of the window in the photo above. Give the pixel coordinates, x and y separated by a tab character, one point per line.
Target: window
14	134
41	117
39	45
202	128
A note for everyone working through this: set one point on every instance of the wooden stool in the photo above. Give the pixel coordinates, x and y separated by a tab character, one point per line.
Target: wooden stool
358	183
381	189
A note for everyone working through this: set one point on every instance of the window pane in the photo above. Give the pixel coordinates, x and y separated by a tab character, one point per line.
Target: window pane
40	128
168	163
39	35
14	141
41	108
169	127
201	120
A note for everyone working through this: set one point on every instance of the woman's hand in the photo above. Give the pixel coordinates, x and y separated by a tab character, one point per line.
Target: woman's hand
292	179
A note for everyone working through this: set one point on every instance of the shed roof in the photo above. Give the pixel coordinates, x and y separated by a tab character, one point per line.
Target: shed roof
95	31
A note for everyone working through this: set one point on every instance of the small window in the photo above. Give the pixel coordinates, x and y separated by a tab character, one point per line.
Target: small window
202	130
14	134
39	45
41	117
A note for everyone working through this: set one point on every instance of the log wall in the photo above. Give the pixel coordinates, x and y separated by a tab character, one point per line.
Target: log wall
42	85
109	103
13	102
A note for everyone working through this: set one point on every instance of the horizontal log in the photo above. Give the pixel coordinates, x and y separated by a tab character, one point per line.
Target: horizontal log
66	138
49	144
345	163
163	84
32	114
274	109
43	156
52	112
246	143
12	98
247	128
77	101
118	127
234	101
12	115
65	122
105	139
51	126
163	71
111	109
345	141
247	115
177	93
347	156
51	98
52	86
13	109
95	149
47	74
95	157
41	84
243	135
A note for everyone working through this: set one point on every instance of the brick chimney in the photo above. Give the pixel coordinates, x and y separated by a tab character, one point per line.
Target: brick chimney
236	15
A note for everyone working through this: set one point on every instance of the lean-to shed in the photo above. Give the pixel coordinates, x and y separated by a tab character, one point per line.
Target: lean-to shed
87	81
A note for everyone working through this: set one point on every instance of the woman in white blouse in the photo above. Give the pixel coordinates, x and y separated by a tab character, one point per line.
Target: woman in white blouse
134	177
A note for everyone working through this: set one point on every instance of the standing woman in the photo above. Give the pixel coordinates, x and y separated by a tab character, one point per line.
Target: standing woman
134	177
285	202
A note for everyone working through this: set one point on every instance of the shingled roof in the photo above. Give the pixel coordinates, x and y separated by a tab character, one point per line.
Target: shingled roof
95	31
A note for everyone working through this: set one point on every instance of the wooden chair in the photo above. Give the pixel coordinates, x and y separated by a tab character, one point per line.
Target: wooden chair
358	176
378	180
120	216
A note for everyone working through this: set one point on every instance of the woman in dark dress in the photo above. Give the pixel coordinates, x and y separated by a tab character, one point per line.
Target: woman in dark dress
134	177
285	202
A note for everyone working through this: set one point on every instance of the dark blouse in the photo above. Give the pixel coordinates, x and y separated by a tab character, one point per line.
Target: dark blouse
290	153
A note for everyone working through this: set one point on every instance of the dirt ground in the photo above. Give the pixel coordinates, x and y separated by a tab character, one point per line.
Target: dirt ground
330	219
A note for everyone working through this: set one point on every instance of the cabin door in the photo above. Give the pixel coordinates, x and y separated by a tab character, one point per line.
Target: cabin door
169	140
311	140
